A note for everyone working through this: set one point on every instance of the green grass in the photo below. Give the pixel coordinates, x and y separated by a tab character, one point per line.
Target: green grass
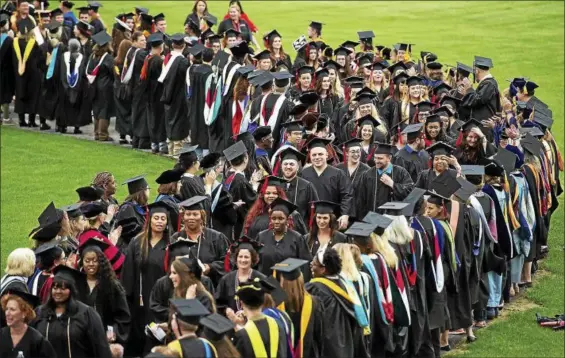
522	38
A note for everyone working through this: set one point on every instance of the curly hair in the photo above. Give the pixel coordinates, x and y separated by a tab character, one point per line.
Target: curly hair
259	208
108	283
102	179
332	262
26	308
241	89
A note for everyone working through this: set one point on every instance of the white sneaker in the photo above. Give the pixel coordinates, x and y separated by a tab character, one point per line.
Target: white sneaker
8	121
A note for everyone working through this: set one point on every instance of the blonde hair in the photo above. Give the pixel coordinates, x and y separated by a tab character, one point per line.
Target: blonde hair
356	253
400	231
382	246
21	262
348	267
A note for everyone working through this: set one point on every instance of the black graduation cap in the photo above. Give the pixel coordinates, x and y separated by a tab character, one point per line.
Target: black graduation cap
4	19
216	326
534	131
361	229
349	44
434	65
94	5
353	142
466	190
292	153
368	119
441	88
46	248
68	4
282	78
483	62
427	56
177	39
309	98
425	106
366	36
73	210
156	39
25	25
318	143
396	67
47	230
234	151
322	72
412	200
325	207
404	47
283	205
45	14
542	120
377	219
449	100
245	242
181	247
141	10
189	311
262	132
93	242
393	207
383	148
83	9
400	78
305	69
163	206
271	36
89	193
331	64
531	144
136	184
433	118
159	17
507	159
53	26
245	70
194	203
364	98
436	198
273	287
102	38
414	81
412	131
463	69
290	268
67	274
316	25
240	50
272	180
343	50
169	176
444	111
472	170
365	60
93	209
445	184
213	38
264	79
470	124
263	55
30	299
196	50
254	74
493	168
378	66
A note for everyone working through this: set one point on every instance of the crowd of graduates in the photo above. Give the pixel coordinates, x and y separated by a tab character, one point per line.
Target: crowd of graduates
354	202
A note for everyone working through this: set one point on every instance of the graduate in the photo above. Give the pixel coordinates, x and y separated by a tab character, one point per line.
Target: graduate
237	185
351	164
344	337
173	78
441	159
323	228
304	310
413	157
386	182
196	78
95	18
263	145
100	76
191	184
28	65
331	184
243	255
150	73
280	240
261	333
17	337
211	246
138	198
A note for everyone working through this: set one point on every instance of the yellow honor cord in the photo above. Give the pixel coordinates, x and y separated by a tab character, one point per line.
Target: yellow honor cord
175	346
27	52
331	285
304	321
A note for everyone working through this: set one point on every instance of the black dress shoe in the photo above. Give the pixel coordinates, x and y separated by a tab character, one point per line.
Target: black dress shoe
33	124
23	124
44	127
123	141
445	348
471	339
77	131
63	130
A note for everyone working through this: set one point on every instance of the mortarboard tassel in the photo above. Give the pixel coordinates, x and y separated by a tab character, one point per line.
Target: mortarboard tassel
459	139
390	87
415	118
399	134
227	260
311	220
344	154
264	186
179	221
277	165
166	260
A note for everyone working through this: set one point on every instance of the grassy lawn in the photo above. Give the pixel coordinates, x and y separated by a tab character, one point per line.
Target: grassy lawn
522	38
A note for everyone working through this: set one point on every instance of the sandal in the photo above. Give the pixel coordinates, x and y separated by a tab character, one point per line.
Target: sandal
480	324
458	331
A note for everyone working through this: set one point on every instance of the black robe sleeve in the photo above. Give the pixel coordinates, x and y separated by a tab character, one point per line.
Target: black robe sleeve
346	194
120	315
159	299
403	183
97	334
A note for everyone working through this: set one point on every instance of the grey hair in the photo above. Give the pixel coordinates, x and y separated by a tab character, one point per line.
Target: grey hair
74	45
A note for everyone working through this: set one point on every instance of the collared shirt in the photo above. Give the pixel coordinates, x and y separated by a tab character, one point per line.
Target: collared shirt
484	78
188	175
387	171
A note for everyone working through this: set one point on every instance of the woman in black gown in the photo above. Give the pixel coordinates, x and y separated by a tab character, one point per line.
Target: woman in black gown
324	229
73	328
258	219
144	265
210	245
280	241
244	255
104	292
328	101
17	337
472	144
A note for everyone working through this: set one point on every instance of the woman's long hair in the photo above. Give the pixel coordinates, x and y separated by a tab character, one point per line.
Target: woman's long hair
125	45
139	197
382	246
348	267
99	51
241	89
205	9
469	154
108	283
295	291
259	208
225	348
50	304
400	231
314	230
318	86
145	238
188	279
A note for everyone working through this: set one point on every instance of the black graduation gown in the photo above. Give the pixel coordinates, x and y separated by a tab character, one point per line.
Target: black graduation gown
7	73
343	335
291	245
198	129
225	291
426	177
332	185
191	186
269	107
223	214
122	104
371	193
193	347
32	344
155	108
483	103
52	88
313	342
163	290
211	250
301	193
243	343
337	238
354	176
76	105
139	95
329	105
262	160
102	89
112	307
87	334
241	189
28	85
174	99
138	279
261	223
368	156
540	232
390	112
413	162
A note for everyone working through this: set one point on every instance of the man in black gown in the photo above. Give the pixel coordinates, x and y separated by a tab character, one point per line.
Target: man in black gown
263	144
413	157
